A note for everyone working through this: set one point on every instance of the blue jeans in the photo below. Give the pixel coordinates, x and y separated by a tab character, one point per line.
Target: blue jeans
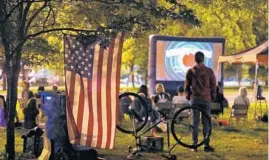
205	106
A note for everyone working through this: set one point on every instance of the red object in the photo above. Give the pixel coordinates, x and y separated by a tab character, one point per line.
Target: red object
188	60
92	76
223	123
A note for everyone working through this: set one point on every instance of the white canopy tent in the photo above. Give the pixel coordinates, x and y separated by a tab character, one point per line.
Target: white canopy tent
257	55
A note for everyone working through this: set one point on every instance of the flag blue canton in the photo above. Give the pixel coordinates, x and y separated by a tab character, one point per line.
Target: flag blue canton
79	58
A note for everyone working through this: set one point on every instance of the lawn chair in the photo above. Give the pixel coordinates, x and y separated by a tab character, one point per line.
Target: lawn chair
215	110
239	111
165	109
178	106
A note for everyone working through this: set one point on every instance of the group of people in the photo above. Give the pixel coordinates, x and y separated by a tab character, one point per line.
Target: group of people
200	89
31	109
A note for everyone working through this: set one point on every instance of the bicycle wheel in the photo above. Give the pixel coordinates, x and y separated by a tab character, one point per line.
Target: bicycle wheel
182	128
133	113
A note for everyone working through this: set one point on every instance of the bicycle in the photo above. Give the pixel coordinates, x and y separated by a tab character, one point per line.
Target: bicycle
179	122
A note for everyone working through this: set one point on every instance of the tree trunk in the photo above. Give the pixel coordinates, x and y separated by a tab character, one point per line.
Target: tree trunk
23	73
146	78
132	74
12	80
4	82
13	71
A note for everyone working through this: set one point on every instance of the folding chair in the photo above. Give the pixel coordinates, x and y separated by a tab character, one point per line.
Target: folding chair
215	110
165	108
178	106
239	111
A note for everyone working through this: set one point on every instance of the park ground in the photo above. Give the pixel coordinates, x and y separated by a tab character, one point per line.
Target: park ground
233	142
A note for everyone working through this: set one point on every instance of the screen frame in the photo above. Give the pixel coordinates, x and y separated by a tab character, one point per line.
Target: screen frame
153	57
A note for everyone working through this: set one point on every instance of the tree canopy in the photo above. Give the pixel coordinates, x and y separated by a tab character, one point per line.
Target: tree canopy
22	21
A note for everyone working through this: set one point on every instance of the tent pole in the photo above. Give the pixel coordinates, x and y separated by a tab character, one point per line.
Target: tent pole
255	89
255	84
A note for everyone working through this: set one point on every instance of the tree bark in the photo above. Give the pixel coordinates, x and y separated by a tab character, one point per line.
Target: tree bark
132	74
4	82
13	71
146	78
12	80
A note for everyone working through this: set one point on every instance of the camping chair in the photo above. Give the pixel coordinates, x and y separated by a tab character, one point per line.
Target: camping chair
178	106
165	109
239	111
215	110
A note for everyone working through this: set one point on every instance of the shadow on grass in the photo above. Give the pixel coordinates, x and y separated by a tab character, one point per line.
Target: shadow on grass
260	130
231	129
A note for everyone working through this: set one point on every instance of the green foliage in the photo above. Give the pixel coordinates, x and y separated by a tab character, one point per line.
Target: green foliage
242	23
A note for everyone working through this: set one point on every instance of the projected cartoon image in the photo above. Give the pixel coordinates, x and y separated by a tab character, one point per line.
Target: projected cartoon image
179	57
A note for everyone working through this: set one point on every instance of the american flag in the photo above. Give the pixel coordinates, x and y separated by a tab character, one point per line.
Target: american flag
92	76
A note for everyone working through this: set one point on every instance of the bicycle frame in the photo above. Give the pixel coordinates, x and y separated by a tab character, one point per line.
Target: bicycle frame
167	121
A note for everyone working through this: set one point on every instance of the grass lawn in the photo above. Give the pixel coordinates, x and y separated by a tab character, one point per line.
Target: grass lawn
234	142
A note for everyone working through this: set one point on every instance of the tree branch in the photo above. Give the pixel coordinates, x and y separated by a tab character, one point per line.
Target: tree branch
48	31
35	15
17	5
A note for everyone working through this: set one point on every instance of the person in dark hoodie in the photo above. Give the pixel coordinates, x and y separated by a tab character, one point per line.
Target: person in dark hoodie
201	88
30	112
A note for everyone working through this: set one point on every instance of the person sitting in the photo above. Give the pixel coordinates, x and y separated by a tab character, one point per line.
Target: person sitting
181	97
30	112
160	95
125	103
242	98
219	98
152	113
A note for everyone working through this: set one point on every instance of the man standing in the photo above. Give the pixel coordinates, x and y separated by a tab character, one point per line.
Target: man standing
200	87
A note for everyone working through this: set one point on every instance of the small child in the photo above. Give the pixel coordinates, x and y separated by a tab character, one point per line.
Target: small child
180	98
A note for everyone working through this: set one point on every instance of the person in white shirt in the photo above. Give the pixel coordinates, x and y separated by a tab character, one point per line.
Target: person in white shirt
181	97
242	97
